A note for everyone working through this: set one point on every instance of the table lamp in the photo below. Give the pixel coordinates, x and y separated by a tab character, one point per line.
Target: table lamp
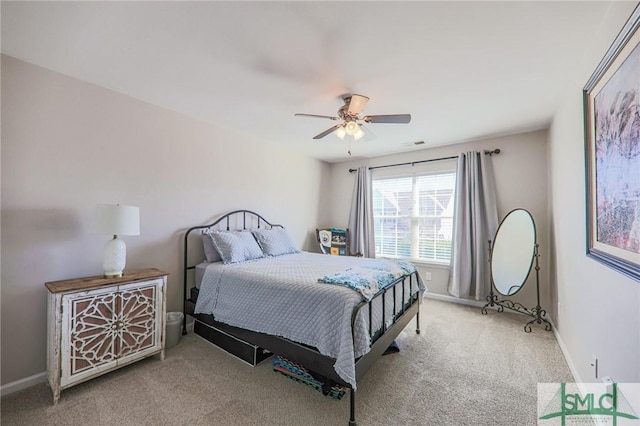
116	219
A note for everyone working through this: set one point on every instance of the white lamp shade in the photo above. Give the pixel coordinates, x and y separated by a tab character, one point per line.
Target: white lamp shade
117	219
351	128
340	132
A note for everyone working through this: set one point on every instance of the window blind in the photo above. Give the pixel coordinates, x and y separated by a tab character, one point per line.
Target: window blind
413	216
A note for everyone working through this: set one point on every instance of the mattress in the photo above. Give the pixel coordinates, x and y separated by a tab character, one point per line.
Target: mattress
200	268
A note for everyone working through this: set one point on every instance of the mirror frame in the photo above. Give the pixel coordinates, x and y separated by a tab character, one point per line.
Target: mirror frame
533	251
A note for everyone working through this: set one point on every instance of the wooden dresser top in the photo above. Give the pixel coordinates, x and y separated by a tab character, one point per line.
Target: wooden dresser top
100	281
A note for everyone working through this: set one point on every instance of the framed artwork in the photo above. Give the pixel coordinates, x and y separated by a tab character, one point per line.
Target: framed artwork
612	153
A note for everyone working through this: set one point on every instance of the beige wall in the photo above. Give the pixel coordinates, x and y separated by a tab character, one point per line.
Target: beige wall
68	145
598	308
521	181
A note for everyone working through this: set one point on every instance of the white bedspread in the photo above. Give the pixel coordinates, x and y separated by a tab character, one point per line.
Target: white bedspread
281	296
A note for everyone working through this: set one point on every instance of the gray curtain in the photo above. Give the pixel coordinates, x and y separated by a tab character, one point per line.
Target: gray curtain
361	216
475	223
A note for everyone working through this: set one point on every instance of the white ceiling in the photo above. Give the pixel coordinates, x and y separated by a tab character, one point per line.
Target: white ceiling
464	70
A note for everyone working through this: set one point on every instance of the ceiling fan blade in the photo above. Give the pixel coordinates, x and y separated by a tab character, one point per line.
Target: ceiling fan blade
326	132
316	116
390	118
357	104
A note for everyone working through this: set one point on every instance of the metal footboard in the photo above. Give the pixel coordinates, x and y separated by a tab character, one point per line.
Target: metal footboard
382	338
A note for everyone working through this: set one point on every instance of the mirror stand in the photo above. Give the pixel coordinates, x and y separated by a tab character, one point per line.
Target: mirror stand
537	312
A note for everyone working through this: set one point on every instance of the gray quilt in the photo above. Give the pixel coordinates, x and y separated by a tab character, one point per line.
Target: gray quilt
281	296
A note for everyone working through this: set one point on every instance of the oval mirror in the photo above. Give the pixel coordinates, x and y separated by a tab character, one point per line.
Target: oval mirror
513	250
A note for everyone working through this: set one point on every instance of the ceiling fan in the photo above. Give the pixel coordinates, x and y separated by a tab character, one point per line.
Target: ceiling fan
352	121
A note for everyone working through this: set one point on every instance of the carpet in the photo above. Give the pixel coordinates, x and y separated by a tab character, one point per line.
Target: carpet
464	369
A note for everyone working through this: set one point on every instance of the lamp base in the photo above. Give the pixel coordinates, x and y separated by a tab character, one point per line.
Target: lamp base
114	257
116	275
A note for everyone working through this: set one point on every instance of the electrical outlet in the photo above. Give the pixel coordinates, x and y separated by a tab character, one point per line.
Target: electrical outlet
594	365
427	276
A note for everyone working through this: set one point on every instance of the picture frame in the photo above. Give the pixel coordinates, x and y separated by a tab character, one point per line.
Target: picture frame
611	100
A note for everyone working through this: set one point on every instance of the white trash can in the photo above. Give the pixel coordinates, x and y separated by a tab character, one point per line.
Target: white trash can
173	330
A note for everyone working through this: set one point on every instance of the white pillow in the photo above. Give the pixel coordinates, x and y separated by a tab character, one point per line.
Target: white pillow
236	246
210	252
275	242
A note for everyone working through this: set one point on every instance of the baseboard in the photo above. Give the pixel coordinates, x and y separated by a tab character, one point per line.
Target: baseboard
445	298
36	379
21	384
598	420
565	353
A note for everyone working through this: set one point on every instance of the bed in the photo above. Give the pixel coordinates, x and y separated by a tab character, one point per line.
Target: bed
323	312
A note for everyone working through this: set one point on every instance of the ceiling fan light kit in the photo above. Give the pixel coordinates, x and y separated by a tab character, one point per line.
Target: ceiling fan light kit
349	129
349	113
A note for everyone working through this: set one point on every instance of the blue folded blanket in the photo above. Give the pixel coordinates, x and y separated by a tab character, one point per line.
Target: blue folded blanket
372	276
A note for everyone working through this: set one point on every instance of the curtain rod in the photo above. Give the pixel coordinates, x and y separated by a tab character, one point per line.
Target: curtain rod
490	153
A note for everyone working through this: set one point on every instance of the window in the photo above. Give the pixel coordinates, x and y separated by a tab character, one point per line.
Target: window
413	216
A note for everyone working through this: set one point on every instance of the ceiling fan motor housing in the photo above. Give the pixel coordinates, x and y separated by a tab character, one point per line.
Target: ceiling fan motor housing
343	112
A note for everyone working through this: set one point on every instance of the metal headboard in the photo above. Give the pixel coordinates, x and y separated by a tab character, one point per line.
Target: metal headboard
244	219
